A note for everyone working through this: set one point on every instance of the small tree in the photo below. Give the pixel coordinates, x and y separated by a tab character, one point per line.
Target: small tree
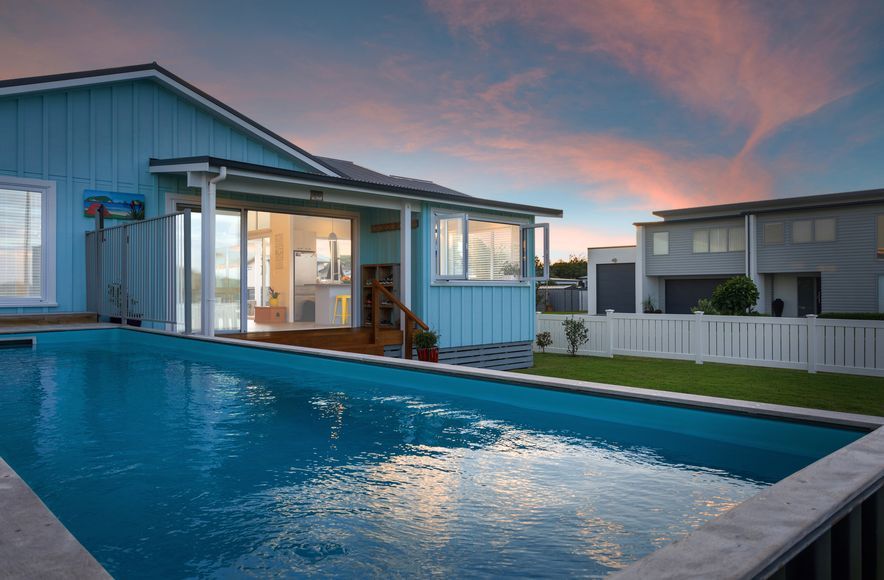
736	296
544	339
576	334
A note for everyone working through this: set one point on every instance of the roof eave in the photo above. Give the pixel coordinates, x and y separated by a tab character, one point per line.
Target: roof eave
208	163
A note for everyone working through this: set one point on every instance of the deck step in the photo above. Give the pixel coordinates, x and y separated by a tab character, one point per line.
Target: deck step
358	340
48	318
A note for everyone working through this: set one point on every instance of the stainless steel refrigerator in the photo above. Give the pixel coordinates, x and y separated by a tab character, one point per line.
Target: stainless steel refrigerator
304	283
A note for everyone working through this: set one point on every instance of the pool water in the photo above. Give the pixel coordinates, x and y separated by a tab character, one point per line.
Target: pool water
170	458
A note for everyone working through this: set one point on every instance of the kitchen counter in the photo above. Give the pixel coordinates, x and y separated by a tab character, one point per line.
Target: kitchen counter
326	294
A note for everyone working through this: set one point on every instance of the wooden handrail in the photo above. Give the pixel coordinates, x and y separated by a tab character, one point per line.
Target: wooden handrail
376	290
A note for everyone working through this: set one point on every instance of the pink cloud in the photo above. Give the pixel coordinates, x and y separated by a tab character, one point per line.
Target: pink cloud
720	57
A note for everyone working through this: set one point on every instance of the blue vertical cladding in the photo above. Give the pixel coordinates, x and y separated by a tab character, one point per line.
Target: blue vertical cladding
471	314
101	137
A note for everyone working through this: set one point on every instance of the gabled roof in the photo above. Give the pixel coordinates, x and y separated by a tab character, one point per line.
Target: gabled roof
154	71
208	163
354	171
767	205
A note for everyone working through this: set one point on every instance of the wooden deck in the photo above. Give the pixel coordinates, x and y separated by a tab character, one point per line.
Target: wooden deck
357	340
48	319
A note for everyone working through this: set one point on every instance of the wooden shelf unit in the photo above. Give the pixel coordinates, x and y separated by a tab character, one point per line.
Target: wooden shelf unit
388	276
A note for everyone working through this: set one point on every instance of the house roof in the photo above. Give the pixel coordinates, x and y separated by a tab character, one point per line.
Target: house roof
768	205
355	171
213	163
166	77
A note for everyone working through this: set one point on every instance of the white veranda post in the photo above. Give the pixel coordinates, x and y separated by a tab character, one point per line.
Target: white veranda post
405	259
208	187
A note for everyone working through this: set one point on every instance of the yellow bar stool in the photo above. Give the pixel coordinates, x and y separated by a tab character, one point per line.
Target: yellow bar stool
342	300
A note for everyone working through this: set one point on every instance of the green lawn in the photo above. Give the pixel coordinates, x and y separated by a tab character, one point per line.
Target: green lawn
834	392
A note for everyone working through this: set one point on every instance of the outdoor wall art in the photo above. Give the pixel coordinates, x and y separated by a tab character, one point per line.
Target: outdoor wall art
113	205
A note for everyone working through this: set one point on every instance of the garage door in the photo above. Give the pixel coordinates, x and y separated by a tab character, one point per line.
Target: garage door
681	295
615	287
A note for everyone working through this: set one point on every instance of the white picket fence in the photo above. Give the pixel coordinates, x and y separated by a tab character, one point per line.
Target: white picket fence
812	344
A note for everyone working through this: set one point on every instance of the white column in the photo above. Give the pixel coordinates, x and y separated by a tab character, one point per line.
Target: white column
763	304
639	268
207	257
405	257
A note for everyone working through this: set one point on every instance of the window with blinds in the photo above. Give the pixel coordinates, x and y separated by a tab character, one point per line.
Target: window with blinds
493	251
21	244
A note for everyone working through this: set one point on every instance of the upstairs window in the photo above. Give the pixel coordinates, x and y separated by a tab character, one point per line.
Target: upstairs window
661	243
718	240
483	250
880	228
773	233
27	242
818	230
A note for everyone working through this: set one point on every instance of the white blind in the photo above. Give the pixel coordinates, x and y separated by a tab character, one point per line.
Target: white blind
494	251
21	273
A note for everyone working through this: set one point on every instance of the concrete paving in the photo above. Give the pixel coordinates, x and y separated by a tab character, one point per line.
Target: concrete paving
33	543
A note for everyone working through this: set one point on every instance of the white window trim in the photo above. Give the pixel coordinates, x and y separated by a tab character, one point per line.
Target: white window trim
465	281
48	225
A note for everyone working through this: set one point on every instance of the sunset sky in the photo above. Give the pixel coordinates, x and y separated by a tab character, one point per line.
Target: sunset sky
607	110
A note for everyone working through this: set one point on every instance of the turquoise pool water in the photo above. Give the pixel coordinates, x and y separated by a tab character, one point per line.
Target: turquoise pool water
172	458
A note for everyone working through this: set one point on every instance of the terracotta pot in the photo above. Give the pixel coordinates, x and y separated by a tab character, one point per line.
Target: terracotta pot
428	354
274	301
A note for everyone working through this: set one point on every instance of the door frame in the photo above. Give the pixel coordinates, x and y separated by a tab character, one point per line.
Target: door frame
179	201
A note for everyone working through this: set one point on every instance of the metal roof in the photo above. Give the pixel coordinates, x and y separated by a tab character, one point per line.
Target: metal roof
766	205
355	171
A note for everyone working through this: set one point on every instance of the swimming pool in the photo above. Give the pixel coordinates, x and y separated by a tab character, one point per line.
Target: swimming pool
170	457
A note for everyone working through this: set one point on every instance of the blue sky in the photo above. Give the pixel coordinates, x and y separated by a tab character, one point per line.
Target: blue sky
608	110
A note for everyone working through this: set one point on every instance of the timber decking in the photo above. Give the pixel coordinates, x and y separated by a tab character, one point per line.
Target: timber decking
47	319
358	340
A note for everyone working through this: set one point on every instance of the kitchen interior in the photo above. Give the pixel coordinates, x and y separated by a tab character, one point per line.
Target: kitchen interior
299	271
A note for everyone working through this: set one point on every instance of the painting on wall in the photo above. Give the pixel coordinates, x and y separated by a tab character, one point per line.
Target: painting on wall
113	205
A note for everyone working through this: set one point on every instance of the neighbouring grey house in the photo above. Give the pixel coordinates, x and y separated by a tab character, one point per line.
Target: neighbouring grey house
820	253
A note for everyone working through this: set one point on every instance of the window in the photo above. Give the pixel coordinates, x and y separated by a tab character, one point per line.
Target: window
493	251
818	230
719	240
736	239
701	241
802	232
661	243
773	233
482	250
881	236
27	242
824	230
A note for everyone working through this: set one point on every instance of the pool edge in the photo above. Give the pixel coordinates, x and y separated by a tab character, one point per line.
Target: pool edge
33	542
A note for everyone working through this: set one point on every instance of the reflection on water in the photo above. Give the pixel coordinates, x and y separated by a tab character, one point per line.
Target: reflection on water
168	467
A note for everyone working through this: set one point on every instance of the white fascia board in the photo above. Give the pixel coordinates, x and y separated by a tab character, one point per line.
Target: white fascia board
176	86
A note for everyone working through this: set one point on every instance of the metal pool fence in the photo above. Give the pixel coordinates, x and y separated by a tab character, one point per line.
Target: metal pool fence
141	271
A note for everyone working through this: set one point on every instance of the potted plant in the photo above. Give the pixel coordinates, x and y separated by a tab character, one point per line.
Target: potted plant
425	342
274	296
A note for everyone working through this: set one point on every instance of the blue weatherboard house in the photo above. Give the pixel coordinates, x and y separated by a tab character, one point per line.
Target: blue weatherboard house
114	181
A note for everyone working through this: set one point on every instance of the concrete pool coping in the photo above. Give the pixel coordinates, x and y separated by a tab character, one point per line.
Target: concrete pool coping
33	543
736	406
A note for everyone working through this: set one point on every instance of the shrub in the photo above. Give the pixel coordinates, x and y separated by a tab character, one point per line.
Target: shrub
705	306
576	334
736	296
544	339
